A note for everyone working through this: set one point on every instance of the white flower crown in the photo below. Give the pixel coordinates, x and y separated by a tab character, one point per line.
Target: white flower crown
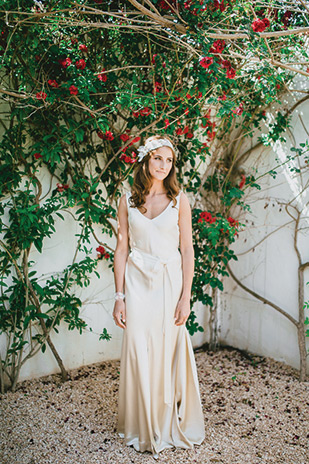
152	145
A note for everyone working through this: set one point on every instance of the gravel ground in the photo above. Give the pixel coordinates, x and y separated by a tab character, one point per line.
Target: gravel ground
256	411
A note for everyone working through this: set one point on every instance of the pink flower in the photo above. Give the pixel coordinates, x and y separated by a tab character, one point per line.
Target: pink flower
73	90
41	96
206	61
80	64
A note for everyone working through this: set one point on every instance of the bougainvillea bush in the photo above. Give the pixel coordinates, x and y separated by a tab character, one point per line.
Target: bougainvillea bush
82	86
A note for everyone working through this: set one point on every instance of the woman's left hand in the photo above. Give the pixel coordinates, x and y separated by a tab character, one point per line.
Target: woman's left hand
182	311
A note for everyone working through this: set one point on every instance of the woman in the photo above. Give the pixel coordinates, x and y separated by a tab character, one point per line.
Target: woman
159	401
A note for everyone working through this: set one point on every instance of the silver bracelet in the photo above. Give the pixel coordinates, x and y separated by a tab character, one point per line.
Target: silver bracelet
119	296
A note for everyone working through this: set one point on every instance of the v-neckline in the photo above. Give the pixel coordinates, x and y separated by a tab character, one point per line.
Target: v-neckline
152	219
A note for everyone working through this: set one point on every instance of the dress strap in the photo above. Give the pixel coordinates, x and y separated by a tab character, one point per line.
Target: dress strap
178	198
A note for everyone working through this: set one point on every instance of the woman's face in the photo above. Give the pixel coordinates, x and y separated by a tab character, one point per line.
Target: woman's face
160	163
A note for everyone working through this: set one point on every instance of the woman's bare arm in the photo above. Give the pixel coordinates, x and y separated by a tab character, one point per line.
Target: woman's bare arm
187	254
120	258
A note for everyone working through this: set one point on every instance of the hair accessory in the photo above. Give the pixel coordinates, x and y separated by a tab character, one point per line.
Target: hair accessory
153	145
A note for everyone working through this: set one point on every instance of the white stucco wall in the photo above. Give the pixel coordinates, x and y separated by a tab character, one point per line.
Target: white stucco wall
270	268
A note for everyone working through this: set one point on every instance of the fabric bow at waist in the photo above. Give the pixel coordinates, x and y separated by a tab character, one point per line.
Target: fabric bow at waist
151	264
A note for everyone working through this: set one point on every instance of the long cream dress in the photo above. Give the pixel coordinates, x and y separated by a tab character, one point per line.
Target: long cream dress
159	401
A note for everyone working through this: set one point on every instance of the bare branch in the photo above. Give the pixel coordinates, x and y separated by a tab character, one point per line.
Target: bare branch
261	298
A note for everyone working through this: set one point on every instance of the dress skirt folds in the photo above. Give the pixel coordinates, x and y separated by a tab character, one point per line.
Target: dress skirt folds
159	401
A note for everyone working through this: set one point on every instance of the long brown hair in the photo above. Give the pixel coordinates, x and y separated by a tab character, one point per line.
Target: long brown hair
143	180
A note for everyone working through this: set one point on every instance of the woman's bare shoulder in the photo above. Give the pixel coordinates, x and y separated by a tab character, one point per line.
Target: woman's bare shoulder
183	198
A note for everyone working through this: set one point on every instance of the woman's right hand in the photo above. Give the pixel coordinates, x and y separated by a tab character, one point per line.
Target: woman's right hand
119	313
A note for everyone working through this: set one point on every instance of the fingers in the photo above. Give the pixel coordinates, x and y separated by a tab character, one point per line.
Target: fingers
120	319
180	320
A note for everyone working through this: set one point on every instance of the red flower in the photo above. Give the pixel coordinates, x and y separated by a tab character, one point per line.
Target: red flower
179	131
107	136
190	135
100	250
74	41
167	123
222	6
102	76
158	87
242	182
266	22
206	61
153	59
124	137
73	90
83	48
239	110
128	159
135	114
218	46
41	96
61	187
53	83
102	253
278	86
226	64
233	222
145	111
37	156
258	25
80	64
223	97
207	217
65	63
135	140
230	73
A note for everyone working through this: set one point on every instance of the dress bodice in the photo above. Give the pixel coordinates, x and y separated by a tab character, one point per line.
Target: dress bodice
158	236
